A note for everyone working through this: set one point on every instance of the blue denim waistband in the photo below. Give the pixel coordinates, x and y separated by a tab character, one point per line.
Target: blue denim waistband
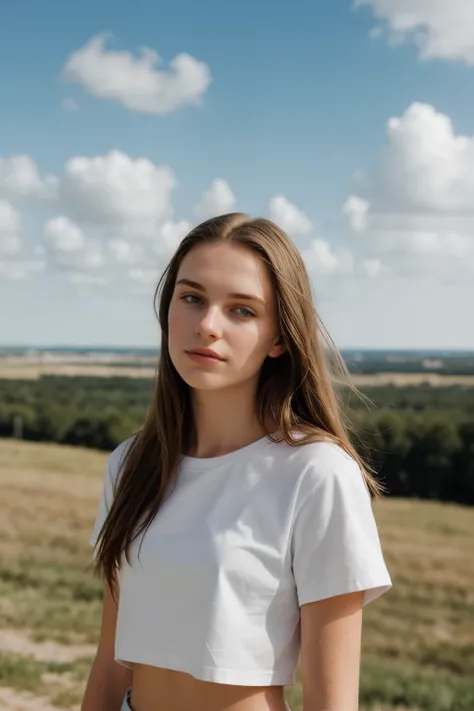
126	701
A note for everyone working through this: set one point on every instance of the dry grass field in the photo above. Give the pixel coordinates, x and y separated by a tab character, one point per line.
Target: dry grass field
418	650
15	369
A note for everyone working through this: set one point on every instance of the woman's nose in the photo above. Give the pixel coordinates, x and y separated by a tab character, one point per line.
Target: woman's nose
209	325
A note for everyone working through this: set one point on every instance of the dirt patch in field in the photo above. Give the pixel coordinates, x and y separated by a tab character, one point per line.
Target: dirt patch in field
19	644
14	642
13	700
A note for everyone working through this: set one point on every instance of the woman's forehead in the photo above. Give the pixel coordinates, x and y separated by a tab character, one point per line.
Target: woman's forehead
233	268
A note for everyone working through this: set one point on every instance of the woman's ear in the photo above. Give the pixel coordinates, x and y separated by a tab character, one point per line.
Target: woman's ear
277	349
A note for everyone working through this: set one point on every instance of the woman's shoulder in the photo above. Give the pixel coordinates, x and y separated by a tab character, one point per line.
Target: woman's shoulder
322	462
316	453
117	455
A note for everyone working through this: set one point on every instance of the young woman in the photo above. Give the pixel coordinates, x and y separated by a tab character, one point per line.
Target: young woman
235	532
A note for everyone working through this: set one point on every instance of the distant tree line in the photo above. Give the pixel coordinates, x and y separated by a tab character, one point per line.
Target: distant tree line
419	439
411	363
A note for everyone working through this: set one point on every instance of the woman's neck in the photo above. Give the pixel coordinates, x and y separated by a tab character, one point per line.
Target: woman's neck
224	421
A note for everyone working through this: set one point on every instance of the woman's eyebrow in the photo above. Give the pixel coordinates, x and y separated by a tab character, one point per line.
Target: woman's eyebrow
192	284
234	295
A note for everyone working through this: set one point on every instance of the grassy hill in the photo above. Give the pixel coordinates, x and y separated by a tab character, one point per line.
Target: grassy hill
418	643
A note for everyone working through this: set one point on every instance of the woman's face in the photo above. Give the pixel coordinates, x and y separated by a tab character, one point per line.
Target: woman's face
223	301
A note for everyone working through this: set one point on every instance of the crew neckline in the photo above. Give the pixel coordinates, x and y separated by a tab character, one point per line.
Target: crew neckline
222	459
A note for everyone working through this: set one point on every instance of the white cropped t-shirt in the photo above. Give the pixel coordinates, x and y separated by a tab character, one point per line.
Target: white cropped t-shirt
243	541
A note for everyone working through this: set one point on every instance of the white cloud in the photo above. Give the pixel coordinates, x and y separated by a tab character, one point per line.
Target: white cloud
426	165
372	267
15	263
320	259
17	270
435	243
170	235
10	224
136	82
20	178
124	252
84	279
289	217
69	250
144	275
9	243
90	259
93	257
69	105
63	235
356	210
443	245
116	189
217	200
143	280
422	212
441	29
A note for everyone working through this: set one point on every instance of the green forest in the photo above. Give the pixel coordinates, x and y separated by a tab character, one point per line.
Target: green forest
420	440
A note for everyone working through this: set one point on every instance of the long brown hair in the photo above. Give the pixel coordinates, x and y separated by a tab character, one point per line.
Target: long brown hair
297	388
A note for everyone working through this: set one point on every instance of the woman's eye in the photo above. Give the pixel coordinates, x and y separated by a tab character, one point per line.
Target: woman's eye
245	312
191	298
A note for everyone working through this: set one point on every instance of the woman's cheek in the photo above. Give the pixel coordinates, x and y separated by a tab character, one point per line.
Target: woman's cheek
173	330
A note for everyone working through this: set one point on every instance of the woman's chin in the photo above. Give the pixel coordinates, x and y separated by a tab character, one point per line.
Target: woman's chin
205	381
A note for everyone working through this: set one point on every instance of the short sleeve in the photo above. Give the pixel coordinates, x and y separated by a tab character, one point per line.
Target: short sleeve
335	542
104	503
112	472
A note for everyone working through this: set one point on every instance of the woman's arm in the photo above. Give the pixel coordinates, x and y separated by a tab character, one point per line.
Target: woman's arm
331	636
108	681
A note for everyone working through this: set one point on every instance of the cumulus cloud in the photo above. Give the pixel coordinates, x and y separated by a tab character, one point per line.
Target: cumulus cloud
140	264
372	267
63	235
170	235
115	189
69	250
441	29
320	259
82	279
426	166
136	82
10	224
438	243
144	275
90	258
15	262
217	200
422	213
142	280
356	210
117	200
123	252
20	178
87	262
289	217
19	269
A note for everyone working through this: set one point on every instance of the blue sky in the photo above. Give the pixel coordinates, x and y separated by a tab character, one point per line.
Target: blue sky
293	124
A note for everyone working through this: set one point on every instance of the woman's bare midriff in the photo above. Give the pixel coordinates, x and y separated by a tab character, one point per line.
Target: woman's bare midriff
158	689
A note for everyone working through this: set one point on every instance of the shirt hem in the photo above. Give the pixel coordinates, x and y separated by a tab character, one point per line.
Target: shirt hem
372	590
239	677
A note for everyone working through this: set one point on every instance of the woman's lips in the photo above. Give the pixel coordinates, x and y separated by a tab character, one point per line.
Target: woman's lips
198	357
